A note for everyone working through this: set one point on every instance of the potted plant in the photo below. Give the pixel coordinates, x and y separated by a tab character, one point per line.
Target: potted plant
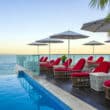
63	58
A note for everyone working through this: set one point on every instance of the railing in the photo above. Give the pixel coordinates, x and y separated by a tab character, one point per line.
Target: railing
30	62
76	57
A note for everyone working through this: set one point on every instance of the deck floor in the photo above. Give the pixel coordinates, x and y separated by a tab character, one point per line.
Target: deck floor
96	99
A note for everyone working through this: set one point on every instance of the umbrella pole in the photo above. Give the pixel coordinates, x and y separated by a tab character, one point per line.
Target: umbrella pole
93	49
68	47
49	50
37	50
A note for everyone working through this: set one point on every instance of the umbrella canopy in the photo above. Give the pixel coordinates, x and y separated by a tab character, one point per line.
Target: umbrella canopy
102	25
49	41
68	35
37	44
107	41
93	43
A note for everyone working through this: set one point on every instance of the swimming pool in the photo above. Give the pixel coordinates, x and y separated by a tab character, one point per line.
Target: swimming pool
23	93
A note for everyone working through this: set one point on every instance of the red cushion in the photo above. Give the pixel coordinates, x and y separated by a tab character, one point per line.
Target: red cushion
65	70
61	69
45	59
41	59
81	74
52	63
49	65
57	61
107	83
90	58
43	64
103	67
80	64
109	64
67	62
100	59
46	64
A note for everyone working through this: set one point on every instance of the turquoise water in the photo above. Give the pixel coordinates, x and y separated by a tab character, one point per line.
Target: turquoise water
17	94
12	95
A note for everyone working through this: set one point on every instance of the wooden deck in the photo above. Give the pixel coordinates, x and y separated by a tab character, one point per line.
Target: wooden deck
96	99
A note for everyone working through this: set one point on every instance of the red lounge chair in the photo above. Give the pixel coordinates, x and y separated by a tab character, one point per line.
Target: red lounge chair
107	89
100	59
49	66
45	59
93	64
90	58
43	65
82	78
41	59
56	62
67	63
62	72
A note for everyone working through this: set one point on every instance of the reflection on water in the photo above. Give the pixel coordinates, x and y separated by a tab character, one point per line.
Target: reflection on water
42	101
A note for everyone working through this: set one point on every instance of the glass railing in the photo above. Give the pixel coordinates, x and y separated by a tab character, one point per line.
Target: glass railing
76	57
30	62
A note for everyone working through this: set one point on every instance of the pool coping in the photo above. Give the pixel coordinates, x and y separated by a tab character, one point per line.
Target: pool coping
73	102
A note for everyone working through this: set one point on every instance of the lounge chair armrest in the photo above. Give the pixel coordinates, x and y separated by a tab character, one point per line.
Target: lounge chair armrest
100	74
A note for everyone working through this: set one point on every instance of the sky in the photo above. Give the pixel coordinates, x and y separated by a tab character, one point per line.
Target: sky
25	21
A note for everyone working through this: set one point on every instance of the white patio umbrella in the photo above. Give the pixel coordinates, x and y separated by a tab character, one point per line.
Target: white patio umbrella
49	41
93	43
107	41
37	44
102	25
69	35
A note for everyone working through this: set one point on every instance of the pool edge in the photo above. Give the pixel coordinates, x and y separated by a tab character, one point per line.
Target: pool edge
70	100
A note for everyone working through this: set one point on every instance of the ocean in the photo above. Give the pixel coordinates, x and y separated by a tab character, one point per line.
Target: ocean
7	64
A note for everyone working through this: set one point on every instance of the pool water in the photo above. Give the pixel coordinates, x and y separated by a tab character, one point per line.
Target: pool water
17	94
13	96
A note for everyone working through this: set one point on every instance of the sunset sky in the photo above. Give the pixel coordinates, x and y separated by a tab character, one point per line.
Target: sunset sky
25	21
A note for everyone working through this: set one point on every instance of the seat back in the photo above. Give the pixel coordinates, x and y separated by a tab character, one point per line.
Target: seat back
51	61
109	63
67	62
41	58
100	59
103	67
79	65
44	59
57	61
90	58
